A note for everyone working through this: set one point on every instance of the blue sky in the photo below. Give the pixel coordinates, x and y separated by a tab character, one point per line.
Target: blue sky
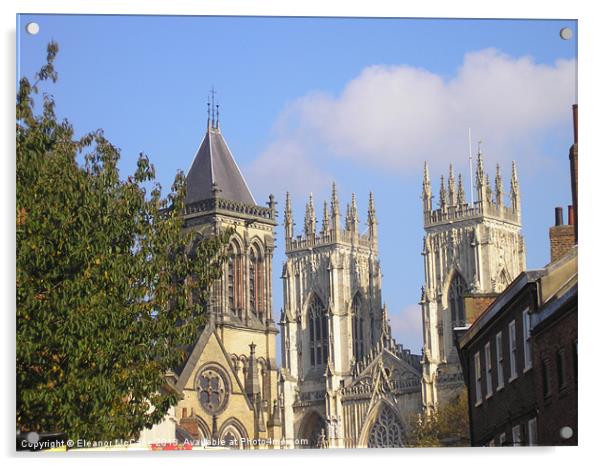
306	101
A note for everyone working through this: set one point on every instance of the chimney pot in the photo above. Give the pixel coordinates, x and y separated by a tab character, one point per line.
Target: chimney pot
570	214
559	220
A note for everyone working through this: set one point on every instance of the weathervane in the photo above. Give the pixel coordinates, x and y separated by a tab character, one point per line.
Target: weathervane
212	106
211	110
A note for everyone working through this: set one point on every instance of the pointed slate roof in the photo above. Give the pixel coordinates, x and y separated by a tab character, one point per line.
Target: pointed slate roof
214	163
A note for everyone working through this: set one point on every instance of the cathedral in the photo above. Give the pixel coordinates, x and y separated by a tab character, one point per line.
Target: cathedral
471	251
344	381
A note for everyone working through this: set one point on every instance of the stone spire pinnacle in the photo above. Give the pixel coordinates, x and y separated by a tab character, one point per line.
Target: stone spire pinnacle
347	218
352	217
480	179
288	217
514	180
427	193
334	208
372	223
442	195
310	217
275	419
514	189
499	188
488	191
385	326
451	186
371	209
461	193
325	220
252	381
353	205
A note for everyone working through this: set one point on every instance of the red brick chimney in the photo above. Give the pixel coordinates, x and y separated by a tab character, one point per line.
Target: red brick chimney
562	237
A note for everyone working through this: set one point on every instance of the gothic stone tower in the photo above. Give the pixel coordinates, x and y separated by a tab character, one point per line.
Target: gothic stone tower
229	382
332	315
472	249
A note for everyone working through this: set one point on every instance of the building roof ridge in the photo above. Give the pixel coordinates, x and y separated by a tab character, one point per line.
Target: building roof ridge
214	169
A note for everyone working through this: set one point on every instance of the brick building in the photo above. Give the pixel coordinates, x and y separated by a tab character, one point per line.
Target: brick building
519	356
554	331
554	339
496	355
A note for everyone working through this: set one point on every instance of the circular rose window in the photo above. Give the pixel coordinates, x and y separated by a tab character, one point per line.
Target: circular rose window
212	388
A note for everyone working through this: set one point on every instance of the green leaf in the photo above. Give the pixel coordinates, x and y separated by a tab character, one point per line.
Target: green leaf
104	284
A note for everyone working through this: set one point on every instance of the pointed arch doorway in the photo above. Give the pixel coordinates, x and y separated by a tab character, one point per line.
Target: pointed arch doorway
311	430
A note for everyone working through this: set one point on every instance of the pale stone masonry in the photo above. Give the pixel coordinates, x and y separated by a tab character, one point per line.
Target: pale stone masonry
346	382
229	382
468	248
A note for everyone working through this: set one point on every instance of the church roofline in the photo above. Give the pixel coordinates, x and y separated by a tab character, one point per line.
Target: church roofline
331	234
458	214
489	203
344	238
238	168
232	209
214	170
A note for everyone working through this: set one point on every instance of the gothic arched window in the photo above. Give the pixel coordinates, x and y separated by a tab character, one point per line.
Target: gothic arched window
256	282
387	431
455	300
357	328
253	264
318	332
233	437
232	280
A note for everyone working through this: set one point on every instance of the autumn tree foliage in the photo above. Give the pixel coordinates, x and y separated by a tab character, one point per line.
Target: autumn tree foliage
106	277
447	426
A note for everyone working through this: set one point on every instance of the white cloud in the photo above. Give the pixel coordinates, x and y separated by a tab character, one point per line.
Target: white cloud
406	327
284	167
395	117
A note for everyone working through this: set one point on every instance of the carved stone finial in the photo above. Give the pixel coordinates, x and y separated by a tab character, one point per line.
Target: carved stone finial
427	194
288	218
310	217
461	194
451	186
334	207
499	188
442	195
325	219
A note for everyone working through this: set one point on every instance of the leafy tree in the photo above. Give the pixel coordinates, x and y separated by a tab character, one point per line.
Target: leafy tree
448	426
110	287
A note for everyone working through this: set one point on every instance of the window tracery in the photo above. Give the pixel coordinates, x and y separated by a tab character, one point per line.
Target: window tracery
256	283
357	328
318	332
233	281
455	300
387	431
212	389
